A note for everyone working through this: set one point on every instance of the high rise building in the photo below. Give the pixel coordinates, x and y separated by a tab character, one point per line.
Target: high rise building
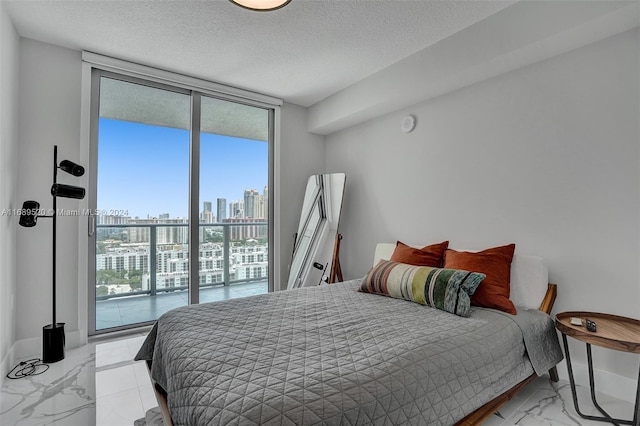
265	196
251	203
207	214
247	228
112	220
164	234
236	209
207	217
221	213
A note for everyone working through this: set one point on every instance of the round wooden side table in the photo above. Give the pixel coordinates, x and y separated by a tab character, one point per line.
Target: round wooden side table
611	332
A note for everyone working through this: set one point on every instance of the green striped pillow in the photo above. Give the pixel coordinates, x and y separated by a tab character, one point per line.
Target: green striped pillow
446	289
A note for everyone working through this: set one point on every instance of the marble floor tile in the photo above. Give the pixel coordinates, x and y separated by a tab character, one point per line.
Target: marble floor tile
121	408
115	380
551	404
96	384
111	353
100	384
62	395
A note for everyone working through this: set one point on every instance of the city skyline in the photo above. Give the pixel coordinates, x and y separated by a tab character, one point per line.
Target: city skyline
207	206
144	169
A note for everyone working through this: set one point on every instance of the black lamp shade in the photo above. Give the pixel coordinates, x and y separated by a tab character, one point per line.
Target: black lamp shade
67	191
72	168
29	214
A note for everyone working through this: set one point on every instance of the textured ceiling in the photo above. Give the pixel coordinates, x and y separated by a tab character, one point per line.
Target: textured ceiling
120	100
302	53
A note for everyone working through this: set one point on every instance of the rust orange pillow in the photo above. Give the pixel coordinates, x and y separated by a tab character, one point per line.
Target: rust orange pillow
495	263
432	255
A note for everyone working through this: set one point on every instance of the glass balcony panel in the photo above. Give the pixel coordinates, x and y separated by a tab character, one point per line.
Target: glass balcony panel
142	271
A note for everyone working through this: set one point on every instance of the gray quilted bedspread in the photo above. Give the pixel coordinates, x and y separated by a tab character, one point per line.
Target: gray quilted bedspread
331	355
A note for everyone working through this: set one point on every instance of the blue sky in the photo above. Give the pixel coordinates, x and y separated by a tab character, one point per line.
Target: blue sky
145	169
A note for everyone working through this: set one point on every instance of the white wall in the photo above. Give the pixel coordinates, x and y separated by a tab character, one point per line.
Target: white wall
9	58
302	155
50	113
546	156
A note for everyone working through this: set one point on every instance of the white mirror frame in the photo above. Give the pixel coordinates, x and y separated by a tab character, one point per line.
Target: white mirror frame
315	240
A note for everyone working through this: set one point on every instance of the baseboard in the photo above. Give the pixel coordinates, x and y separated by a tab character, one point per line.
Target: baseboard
32	348
608	383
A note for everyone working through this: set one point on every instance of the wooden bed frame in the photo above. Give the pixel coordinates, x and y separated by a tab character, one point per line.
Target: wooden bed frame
474	418
488	409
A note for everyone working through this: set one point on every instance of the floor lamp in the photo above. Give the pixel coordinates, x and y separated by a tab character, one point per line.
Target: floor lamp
53	338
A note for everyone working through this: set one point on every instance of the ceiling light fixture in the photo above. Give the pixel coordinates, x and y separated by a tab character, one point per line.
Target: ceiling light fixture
261	5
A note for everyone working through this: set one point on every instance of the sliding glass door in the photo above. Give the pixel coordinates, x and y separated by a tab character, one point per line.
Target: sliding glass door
234	176
177	175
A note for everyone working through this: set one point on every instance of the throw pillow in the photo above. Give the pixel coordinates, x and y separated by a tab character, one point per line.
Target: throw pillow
444	289
495	263
432	255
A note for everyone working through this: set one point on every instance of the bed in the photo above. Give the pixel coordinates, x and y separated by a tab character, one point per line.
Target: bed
330	354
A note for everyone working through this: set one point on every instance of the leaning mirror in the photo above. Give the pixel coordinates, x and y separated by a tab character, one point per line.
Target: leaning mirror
314	251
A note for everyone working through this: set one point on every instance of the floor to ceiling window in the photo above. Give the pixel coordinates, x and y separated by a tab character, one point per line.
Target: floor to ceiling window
233	177
180	183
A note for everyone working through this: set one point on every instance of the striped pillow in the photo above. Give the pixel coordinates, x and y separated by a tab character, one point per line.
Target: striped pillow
446	289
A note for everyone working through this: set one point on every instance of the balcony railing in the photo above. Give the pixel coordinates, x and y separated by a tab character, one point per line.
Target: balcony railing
234	238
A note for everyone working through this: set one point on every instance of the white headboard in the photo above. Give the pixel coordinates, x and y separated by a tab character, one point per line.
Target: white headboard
529	275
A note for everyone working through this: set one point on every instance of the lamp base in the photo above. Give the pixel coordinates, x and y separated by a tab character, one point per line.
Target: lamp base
53	341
